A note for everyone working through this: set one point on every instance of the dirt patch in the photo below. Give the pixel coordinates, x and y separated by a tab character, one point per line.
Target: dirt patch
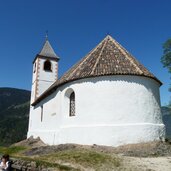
150	149
147	164
50	149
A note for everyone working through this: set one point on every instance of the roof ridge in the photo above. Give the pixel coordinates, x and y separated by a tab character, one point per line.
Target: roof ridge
122	50
94	67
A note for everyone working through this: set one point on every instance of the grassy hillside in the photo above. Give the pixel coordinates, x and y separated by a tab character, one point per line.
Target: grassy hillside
14	110
151	156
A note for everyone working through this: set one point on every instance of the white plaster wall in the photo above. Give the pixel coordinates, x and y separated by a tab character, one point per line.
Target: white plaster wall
110	110
51	118
43	85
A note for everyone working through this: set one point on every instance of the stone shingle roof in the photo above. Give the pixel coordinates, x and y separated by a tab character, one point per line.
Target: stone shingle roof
48	51
107	58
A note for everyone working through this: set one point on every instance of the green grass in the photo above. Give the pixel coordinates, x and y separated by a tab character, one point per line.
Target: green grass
54	165
16	152
67	160
85	158
13	150
47	164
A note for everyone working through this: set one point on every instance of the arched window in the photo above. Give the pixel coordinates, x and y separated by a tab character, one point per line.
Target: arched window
47	66
72	104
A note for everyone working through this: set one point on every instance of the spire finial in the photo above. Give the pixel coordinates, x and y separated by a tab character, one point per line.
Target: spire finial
46	37
108	33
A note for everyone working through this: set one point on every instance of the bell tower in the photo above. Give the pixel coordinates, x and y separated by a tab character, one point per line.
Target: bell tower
45	70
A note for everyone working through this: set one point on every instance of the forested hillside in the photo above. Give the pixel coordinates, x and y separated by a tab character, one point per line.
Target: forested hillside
14	110
166	111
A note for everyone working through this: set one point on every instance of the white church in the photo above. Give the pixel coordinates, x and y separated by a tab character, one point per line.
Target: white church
107	98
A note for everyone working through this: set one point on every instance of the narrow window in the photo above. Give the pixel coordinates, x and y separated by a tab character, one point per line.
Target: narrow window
47	66
34	67
72	104
41	113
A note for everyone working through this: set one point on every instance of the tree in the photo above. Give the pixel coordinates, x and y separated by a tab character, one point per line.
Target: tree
166	58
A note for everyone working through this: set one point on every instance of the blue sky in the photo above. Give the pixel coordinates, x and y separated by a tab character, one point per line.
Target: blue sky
75	27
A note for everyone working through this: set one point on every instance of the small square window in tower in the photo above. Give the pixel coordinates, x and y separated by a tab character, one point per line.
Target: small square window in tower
72	104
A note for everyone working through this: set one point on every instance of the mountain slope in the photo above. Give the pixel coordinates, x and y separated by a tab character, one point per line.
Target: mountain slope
14	112
12	96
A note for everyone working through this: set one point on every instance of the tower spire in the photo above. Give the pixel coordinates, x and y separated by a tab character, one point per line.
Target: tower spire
47	49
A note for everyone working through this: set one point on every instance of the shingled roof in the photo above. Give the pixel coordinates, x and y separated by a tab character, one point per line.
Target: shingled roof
48	51
107	58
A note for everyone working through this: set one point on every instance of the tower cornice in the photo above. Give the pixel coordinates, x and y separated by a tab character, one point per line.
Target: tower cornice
45	57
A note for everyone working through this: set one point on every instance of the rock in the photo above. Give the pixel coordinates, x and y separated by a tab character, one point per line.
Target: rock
33	164
31	142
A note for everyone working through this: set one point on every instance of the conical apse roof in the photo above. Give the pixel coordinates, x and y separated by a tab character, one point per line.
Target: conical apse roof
107	58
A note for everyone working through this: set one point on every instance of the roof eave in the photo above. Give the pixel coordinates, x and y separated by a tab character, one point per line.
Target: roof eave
46	57
50	91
